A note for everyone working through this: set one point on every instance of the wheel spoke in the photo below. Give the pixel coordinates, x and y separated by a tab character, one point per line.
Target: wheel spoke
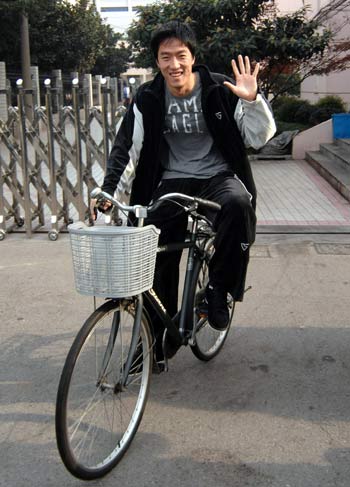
89	407
91	426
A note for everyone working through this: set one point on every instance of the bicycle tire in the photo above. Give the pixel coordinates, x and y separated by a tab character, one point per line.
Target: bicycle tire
96	416
207	342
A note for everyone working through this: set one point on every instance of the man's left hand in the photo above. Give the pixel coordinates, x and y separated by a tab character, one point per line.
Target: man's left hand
246	86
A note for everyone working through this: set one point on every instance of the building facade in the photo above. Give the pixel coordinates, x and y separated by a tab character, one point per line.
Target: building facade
337	83
119	13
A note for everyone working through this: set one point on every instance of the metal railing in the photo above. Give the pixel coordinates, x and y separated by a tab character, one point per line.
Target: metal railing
50	162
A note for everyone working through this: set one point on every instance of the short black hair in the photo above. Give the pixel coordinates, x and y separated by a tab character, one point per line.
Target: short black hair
173	29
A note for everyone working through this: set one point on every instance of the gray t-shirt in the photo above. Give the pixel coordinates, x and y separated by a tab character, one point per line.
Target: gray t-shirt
192	152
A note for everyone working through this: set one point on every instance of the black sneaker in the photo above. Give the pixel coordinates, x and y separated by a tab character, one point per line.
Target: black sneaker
218	313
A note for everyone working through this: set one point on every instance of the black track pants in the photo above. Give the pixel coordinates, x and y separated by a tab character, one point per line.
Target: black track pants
235	232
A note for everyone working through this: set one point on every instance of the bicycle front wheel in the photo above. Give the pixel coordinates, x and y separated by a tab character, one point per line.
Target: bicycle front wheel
207	342
98	410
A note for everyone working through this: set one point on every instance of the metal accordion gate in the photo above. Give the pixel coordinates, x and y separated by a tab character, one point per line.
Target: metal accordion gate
50	161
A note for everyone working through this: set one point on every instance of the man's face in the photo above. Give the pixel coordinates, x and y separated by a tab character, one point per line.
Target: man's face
175	62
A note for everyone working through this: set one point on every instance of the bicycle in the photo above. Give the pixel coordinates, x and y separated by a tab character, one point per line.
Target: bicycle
105	380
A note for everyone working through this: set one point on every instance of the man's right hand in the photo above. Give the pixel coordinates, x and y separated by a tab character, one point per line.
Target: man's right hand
99	205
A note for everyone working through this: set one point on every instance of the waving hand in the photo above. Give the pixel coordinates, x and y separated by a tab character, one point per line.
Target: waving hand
246	86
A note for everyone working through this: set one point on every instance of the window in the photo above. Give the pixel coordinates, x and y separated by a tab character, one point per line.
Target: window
114	9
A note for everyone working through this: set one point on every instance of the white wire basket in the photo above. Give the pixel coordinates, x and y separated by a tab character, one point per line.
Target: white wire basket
113	262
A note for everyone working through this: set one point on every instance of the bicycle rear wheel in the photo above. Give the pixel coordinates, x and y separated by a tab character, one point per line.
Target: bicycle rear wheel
207	341
97	413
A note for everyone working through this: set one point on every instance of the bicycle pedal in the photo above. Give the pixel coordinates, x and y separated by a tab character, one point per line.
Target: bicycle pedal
202	314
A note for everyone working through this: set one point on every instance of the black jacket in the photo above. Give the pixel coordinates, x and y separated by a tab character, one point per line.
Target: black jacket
135	159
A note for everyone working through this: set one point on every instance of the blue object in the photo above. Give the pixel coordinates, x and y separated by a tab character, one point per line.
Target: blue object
341	125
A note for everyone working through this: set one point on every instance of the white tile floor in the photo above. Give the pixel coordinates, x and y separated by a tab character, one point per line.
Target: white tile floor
293	193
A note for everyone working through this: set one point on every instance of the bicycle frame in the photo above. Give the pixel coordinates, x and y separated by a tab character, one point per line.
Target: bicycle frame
176	327
176	333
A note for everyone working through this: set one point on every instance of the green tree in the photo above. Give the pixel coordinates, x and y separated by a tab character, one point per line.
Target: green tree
289	47
68	36
223	27
114	58
10	33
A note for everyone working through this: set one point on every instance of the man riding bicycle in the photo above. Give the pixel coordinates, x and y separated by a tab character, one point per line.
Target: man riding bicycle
186	131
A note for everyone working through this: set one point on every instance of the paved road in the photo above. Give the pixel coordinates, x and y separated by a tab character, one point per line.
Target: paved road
272	409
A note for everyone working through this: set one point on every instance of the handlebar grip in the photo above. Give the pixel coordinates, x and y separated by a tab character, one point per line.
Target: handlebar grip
95	193
101	199
209	204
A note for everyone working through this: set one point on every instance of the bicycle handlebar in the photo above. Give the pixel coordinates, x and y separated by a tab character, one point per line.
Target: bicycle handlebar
98	194
141	211
191	199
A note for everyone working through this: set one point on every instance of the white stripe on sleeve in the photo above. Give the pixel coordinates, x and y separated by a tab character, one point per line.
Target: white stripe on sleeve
255	122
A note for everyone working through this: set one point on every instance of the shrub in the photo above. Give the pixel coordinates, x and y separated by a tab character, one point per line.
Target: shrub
325	107
286	112
332	102
292	110
322	114
304	112
280	100
288	126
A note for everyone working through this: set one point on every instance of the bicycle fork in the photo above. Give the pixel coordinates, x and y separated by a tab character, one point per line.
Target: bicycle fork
133	344
134	339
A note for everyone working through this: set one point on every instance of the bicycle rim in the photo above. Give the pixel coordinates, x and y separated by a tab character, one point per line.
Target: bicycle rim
207	341
96	415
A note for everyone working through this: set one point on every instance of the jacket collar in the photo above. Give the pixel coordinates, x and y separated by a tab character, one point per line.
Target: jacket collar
207	79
